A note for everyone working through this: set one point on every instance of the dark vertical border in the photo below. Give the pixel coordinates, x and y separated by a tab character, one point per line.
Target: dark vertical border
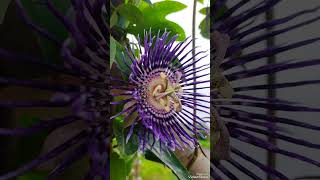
271	93
109	129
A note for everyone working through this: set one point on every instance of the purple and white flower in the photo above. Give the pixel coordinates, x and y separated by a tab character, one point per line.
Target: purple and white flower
158	94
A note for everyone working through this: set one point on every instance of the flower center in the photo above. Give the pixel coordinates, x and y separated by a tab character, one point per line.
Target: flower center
163	93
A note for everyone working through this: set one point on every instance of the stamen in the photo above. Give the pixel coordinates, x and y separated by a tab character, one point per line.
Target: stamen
157	90
168	95
177	105
163	75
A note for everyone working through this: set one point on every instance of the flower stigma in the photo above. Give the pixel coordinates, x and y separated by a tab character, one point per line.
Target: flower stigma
164	92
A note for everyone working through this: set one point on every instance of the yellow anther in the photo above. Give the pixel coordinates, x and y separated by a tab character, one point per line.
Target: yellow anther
177	105
163	75
157	90
167	108
163	102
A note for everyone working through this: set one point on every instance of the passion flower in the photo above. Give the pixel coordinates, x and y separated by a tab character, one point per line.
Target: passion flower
158	94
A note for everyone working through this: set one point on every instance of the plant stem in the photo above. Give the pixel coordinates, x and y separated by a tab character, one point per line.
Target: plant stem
194	58
195	154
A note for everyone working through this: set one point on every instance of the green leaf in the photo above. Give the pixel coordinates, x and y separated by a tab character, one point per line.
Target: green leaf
126	149
117	170
144	5
122	59
170	159
148	1
204	143
150	170
114	19
201	1
130	12
113	50
205	23
4	4
127	13
40	15
154	17
121	167
205	27
205	11
149	155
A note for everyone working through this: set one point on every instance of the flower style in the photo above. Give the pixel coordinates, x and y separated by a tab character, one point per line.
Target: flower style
86	92
231	32
158	94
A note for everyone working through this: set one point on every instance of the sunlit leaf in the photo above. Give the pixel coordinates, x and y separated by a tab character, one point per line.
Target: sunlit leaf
150	170
205	23
117	170
205	28
200	1
121	166
205	11
130	12
170	160
148	1
205	143
154	17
